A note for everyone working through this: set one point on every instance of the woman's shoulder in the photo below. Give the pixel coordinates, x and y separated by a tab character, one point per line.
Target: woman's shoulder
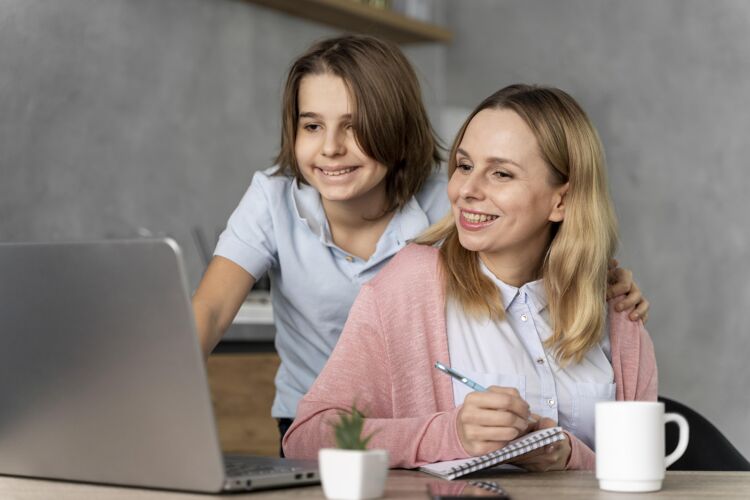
413	265
627	337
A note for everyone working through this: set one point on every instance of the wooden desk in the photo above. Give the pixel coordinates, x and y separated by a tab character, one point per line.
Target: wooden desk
412	485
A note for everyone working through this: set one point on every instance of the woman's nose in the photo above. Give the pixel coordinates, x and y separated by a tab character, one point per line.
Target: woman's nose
471	187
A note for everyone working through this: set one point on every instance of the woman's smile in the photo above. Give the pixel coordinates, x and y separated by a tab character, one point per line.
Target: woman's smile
474	221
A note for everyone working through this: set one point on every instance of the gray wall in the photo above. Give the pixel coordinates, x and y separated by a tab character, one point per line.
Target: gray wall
667	83
121	117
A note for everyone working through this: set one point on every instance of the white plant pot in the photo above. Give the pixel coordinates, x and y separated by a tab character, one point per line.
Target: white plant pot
353	474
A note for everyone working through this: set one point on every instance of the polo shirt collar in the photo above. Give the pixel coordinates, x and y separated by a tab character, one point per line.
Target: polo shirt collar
406	224
309	210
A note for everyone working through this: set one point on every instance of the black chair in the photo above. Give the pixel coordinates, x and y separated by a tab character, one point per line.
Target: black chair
707	449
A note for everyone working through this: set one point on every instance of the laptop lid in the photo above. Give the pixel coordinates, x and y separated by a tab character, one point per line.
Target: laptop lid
101	375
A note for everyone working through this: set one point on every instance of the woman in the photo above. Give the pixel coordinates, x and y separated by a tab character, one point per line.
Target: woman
510	289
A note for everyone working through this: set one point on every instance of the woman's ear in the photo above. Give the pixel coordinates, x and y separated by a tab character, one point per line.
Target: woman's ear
558	203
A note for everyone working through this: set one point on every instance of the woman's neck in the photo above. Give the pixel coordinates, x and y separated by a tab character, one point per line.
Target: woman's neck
516	267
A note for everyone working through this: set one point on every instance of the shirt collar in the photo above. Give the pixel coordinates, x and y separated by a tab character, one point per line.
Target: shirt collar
406	224
309	209
532	291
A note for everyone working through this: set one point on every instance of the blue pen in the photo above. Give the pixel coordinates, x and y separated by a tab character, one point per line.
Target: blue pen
464	380
468	382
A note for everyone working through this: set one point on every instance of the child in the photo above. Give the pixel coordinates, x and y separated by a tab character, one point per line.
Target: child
508	290
356	179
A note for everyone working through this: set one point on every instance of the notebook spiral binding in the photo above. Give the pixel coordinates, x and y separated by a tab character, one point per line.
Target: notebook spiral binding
550	436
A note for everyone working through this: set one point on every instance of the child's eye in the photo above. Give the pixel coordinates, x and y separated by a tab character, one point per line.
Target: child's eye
311	127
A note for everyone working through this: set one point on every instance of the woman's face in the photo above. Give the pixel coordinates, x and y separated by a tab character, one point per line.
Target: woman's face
501	193
326	149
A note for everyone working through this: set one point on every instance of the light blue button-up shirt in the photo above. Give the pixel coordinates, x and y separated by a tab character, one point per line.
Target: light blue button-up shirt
280	227
511	353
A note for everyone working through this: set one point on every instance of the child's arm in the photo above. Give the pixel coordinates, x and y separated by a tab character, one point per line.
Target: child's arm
219	296
245	251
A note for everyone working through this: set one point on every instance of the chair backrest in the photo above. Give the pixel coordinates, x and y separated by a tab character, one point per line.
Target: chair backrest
708	448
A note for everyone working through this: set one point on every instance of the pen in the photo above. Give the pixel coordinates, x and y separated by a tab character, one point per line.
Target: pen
468	382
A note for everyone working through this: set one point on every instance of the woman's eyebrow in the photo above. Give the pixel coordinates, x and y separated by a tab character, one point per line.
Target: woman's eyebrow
493	160
463	153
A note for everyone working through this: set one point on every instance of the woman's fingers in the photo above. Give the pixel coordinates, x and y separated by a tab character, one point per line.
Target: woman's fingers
491	418
500	435
551	457
501	398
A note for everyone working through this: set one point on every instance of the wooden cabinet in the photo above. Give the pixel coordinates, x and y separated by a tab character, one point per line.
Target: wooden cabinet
242	391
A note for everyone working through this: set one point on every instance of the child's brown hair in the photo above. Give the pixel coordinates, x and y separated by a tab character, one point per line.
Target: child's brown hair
389	120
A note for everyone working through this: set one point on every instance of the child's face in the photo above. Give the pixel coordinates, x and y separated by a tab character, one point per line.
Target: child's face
327	153
500	193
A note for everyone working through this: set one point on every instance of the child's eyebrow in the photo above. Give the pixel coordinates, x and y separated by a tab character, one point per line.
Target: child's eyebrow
316	116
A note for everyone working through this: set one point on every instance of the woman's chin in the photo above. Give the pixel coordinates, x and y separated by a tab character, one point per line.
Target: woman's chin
470	243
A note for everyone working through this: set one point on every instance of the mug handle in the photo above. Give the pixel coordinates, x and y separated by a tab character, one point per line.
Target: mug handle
682	443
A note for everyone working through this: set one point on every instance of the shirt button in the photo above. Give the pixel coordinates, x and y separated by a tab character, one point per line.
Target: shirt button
551	403
524	317
349	258
540	361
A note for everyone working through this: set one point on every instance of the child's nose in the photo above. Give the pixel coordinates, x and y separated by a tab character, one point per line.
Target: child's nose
334	144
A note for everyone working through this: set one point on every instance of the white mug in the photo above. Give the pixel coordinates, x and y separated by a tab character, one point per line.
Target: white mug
630	444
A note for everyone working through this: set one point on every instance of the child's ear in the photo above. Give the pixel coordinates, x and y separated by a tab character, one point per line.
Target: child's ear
558	203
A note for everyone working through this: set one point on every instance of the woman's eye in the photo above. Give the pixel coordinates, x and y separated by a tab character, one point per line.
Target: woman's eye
464	167
503	174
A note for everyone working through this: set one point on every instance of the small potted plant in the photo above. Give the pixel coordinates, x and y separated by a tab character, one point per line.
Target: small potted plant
351	471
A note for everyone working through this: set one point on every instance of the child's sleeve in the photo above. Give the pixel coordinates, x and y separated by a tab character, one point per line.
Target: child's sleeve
249	239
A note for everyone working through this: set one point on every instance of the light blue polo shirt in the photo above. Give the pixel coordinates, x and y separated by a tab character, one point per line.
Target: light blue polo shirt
280	227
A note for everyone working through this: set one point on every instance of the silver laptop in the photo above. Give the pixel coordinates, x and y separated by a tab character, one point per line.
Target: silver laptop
101	374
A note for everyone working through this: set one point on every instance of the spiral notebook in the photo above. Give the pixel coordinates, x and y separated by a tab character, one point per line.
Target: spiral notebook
452	469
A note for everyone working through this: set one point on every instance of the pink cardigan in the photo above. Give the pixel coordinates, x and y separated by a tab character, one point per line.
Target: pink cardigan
384	360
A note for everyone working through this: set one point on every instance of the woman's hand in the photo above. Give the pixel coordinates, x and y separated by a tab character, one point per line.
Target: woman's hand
620	282
551	457
489	419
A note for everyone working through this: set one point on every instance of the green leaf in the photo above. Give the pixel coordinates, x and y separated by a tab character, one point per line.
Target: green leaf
348	430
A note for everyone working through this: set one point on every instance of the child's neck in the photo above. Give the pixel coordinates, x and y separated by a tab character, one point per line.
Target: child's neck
357	225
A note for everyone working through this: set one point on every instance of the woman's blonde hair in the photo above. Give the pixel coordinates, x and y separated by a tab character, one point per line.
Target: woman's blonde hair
574	268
